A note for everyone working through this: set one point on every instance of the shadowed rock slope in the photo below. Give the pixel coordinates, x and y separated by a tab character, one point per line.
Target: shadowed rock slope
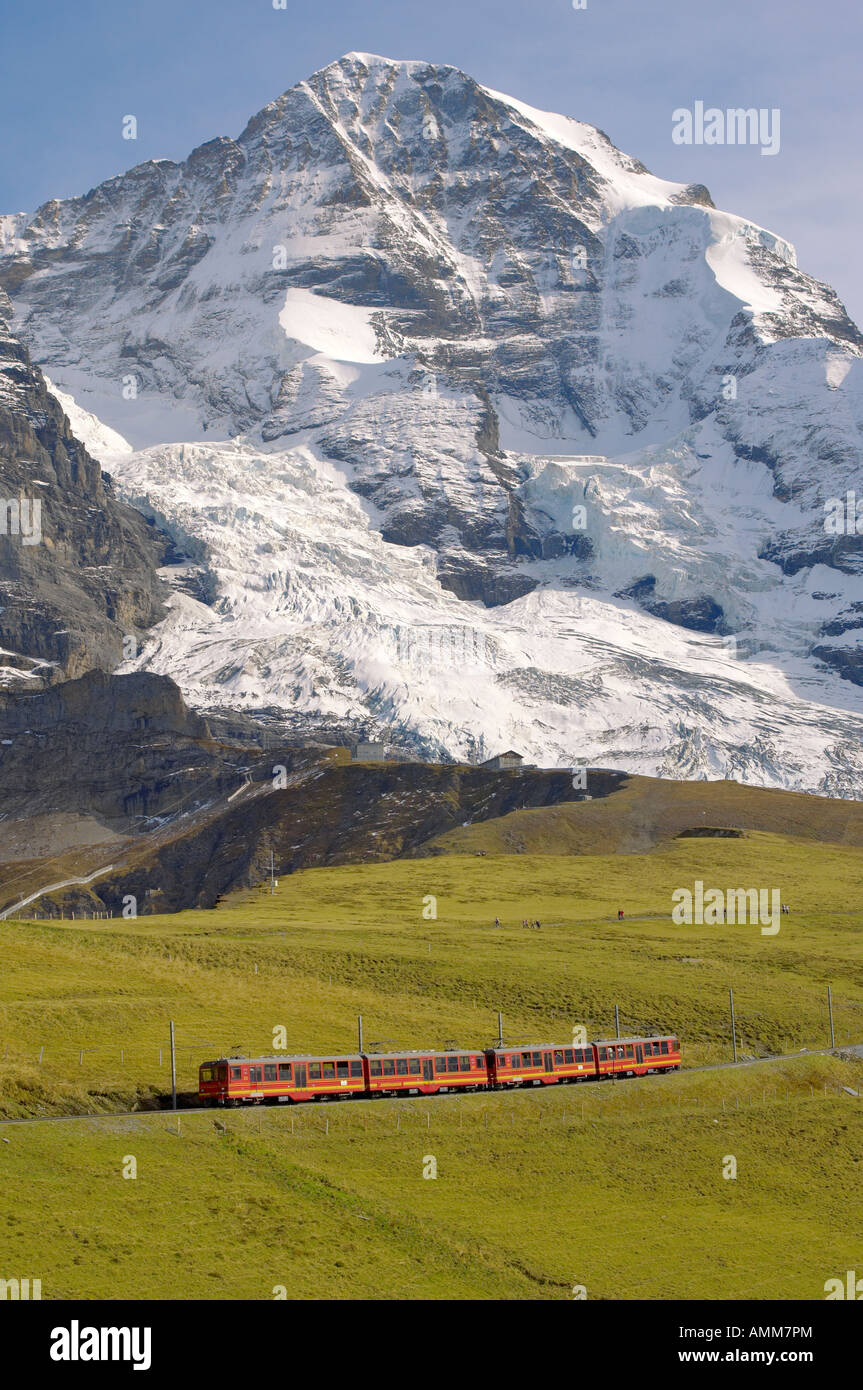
77	566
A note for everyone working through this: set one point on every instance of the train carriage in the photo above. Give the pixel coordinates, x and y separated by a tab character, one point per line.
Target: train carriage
427	1073
636	1056
235	1080
540	1064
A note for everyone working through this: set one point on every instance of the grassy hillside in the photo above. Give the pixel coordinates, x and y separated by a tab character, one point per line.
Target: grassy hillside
617	1188
333	943
645	812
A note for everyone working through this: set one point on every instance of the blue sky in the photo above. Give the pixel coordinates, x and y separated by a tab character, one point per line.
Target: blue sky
193	69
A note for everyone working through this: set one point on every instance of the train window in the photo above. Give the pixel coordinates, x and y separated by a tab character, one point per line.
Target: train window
526	1059
402	1066
206	1073
389	1067
558	1057
452	1063
284	1071
537	1059
314	1071
356	1068
374	1066
630	1052
602	1057
270	1072
568	1056
341	1069
664	1047
236	1073
329	1071
414	1066
478	1061
464	1064
440	1065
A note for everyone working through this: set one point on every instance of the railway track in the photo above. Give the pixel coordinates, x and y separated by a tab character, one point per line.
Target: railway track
856	1049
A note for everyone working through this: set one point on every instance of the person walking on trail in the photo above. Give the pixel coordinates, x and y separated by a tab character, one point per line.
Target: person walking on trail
620	914
497	921
537	926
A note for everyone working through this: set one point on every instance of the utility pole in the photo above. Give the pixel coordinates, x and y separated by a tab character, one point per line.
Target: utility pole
272	874
173	1071
616	1021
830	1010
733	1027
500	1030
360	1031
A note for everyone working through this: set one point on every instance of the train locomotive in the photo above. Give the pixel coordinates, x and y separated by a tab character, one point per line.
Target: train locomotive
233	1081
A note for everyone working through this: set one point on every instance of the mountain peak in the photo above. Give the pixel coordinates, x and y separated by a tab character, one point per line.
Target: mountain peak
425	381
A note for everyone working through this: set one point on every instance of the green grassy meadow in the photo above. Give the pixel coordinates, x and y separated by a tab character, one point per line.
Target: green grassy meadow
616	1187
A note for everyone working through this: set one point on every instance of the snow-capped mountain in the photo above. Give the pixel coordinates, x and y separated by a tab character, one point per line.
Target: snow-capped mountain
471	429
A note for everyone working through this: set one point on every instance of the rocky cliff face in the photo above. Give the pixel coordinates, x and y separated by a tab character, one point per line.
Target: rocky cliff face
77	566
174	816
122	748
329	812
472	430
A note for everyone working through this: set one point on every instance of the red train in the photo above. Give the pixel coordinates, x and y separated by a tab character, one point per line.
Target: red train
234	1080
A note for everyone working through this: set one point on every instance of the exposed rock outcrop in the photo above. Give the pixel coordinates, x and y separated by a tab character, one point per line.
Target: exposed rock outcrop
77	566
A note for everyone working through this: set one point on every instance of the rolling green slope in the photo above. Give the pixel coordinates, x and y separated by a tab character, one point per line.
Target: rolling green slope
617	1188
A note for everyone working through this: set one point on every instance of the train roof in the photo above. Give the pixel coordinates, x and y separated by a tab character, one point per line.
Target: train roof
431	1051
636	1037
590	1042
343	1056
286	1057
